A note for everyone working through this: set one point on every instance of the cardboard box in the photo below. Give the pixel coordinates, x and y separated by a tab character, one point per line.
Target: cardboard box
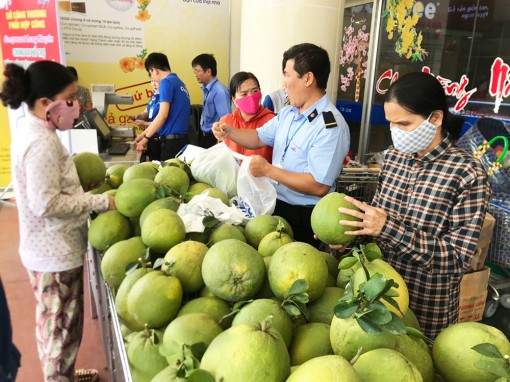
482	248
473	294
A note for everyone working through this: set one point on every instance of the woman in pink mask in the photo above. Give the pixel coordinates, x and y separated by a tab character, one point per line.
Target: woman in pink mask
53	210
246	95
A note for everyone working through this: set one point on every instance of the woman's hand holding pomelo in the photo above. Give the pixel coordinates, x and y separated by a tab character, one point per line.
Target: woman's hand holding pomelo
372	219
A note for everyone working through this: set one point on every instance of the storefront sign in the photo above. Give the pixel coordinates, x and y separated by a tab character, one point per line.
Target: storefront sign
499	85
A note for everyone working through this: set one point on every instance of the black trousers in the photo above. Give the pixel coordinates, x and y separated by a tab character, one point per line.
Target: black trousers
206	140
153	151
171	147
299	219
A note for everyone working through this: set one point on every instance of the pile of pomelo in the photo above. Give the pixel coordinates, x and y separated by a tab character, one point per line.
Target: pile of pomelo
253	303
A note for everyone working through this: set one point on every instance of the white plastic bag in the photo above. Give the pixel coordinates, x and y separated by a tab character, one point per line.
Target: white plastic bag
259	192
217	166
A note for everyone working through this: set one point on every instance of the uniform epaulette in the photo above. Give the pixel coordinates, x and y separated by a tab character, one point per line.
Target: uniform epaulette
329	119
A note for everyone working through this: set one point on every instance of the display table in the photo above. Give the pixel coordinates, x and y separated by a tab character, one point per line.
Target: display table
103	307
131	157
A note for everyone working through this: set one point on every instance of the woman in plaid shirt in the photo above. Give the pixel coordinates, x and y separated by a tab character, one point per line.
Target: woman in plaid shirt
430	203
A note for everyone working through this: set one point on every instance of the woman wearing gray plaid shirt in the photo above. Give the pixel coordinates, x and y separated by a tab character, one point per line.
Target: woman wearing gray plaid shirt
430	202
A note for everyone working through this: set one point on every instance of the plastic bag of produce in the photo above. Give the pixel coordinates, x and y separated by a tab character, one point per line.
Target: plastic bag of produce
218	167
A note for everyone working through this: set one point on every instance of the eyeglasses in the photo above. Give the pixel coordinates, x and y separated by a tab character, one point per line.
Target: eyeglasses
197	71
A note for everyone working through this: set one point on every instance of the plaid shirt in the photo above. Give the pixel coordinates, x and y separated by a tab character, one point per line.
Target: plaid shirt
436	206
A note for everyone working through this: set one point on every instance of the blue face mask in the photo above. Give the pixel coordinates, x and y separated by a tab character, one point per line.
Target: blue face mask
411	142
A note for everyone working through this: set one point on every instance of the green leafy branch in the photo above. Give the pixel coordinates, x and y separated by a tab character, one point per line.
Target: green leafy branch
144	261
297	298
493	365
142	54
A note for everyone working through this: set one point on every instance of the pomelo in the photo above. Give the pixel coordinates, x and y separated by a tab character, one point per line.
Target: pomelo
215	193
287	227
189	329
258	227
327	368
272	241
325	218
143	352
385	269
117	257
347	337
115	174
102	188
179	163
233	270
332	264
111	192
225	231
90	167
197	188
213	306
321	310
417	351
140	170
265	290
134	195
309	341
184	261
386	365
456	361
411	320
154	299
252	352
168	203
257	310
296	261
173	177
163	229
107	229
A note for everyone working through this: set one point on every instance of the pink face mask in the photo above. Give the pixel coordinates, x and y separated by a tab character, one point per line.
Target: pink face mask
249	104
62	114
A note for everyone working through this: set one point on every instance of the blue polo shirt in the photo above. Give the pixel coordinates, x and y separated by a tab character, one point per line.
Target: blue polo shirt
217	103
173	91
307	143
153	107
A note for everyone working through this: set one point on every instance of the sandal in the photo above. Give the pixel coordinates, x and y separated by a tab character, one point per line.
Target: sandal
86	375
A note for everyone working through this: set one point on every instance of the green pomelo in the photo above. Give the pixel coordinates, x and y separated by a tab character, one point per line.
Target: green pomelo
184	261
454	357
385	269
332	264
295	261
111	192
272	241
117	257
258	227
386	365
417	351
233	270
115	174
143	352
107	229
173	177
90	167
325	218
139	170
122	295
309	341
265	290
190	329
287	228
346	337
205	292
102	188
215	193
196	189
328	368
225	231
345	275
168	374
134	195
155	299
179	163
411	320
163	229
213	306
258	310
168	203
331	281
321	310
252	352
125	331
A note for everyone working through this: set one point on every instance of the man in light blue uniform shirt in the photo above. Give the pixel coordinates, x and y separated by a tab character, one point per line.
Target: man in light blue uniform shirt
310	140
217	101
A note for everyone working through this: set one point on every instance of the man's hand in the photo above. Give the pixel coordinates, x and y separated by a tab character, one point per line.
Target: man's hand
141	145
259	166
220	130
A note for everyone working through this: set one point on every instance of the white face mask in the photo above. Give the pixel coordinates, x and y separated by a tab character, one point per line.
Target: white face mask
415	141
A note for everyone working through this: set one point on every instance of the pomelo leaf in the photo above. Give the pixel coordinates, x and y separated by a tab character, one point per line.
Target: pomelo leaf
347	262
374	286
378	313
368	325
169	348
304	310
131	267
200	375
392	302
158	263
345	309
372	251
209	221
299	286
300	298
160	192
488	350
413	332
292	310
395	326
493	367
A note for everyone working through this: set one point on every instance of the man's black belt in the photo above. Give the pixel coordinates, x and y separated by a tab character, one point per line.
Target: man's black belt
173	136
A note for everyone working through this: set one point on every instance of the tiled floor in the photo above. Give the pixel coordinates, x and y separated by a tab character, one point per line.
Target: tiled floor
22	308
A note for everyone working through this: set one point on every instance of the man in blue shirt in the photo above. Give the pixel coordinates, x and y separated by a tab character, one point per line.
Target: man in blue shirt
172	121
310	140
217	101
